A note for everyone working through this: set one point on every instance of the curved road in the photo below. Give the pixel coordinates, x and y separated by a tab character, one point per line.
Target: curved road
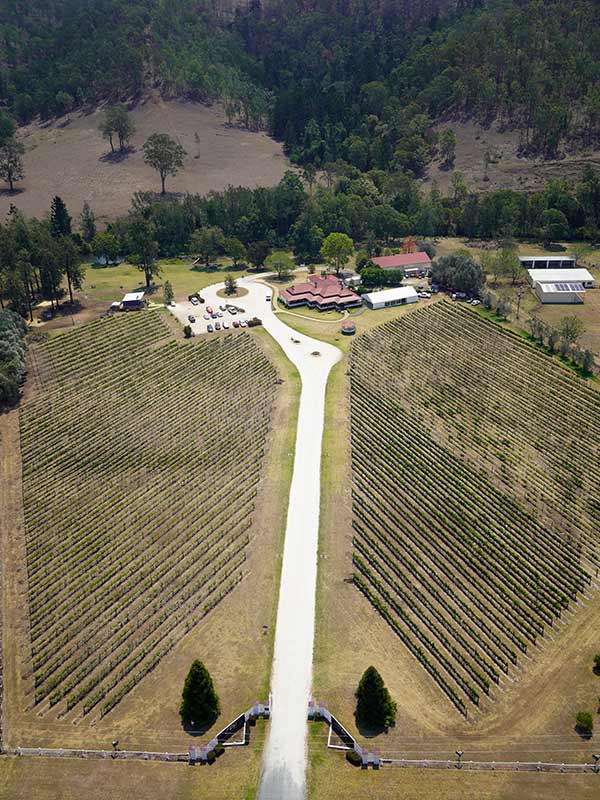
284	760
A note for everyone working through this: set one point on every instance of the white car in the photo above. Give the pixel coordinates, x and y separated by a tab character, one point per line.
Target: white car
194	301
243	323
172	304
425	295
225	325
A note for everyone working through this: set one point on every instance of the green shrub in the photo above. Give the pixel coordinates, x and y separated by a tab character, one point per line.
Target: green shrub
187	331
597	663
584	723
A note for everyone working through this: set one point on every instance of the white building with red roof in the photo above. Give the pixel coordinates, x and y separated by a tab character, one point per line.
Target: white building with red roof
411	263
323	293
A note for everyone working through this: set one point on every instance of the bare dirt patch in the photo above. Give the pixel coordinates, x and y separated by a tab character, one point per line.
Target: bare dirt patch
71	160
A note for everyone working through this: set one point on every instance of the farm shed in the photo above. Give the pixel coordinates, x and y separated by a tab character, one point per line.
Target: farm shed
560	292
132	300
391	297
561	275
411	263
547	262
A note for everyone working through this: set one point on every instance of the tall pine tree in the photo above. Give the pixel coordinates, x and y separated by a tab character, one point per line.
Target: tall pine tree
199	701
375	707
60	221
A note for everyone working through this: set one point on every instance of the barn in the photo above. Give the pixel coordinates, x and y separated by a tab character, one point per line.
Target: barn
391	297
560	292
576	275
548	262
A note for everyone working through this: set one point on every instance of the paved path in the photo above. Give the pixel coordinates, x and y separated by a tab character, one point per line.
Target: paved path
284	760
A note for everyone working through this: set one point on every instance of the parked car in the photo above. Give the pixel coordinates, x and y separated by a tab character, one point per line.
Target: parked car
424	295
172	304
217	326
475	302
191	318
243	323
232	310
225	325
206	316
194	301
268	298
214	315
222	308
209	310
209	328
236	323
219	313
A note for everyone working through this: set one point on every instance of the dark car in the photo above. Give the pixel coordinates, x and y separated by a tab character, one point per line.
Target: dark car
217	326
214	315
191	318
209	328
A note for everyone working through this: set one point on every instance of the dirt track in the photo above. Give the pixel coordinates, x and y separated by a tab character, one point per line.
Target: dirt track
70	160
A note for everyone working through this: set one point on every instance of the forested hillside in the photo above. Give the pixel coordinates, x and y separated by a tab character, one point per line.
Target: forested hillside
354	80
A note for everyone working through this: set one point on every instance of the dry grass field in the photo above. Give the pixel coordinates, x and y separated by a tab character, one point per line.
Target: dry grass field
507	169
68	157
531	716
234	639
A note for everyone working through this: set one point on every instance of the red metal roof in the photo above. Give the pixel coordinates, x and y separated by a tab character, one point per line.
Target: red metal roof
320	290
402	260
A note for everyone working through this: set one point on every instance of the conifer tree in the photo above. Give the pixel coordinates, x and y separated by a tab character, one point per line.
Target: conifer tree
375	707
199	701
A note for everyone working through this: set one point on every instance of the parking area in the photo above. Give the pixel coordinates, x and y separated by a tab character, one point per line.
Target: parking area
207	317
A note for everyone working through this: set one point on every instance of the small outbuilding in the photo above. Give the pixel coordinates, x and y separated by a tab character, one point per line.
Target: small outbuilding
560	292
575	275
387	298
348	328
132	301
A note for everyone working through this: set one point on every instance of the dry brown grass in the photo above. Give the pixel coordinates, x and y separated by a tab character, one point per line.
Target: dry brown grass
235	640
69	161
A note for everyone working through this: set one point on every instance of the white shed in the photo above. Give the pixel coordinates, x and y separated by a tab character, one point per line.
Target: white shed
577	275
391	297
560	292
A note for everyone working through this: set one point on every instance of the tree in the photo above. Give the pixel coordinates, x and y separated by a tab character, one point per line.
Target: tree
116	121
580	250
280	263
11	162
375	707
163	154
570	328
230	284
458	272
235	249
309	173
207	242
142	239
337	249
258	252
555	226
87	223
7	127
447	143
187	331
584	723
70	260
168	294
107	246
597	663
60	221
199	701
